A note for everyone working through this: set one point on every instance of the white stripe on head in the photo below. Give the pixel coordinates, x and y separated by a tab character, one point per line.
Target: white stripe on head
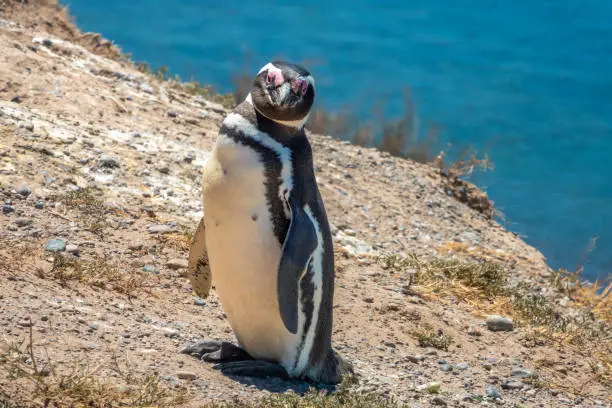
310	80
317	282
270	67
238	122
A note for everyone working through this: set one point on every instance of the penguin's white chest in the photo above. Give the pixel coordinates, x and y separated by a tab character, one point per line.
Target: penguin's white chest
243	250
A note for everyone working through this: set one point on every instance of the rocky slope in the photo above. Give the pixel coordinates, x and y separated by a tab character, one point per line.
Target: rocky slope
100	168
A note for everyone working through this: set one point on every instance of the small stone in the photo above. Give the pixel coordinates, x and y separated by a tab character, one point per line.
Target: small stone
446	368
493	393
164	168
24	190
433	387
39	205
55	245
109	161
368	300
72	249
512	385
135	246
16	99
189	157
160	229
25	323
499	323
7	209
186	375
171	333
178	263
416	358
172	114
521	372
462	366
149	269
473	331
146	88
439	401
23	222
199	301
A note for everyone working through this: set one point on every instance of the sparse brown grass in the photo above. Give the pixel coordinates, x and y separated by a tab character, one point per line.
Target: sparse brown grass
484	288
83	384
344	397
427	337
96	272
89	204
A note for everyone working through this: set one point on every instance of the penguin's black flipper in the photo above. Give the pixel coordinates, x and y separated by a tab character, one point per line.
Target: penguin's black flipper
198	269
299	245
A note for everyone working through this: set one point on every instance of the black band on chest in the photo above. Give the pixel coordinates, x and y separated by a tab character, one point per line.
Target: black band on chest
272	174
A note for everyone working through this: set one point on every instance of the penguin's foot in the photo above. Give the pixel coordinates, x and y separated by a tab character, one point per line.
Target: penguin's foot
214	351
253	368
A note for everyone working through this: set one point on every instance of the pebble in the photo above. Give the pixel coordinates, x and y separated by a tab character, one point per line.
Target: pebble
6	209
493	393
135	247
24	190
39	205
499	323
433	387
439	401
199	301
163	168
146	88
462	366
416	358
186	375
160	229
72	249
172	114
109	161
473	331
178	263
149	269
25	323
446	368
521	372
171	333
512	385
23	222
55	245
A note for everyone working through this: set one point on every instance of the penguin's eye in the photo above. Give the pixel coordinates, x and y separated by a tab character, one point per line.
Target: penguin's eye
299	86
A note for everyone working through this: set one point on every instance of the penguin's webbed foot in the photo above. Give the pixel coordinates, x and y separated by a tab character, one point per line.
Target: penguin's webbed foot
214	351
253	368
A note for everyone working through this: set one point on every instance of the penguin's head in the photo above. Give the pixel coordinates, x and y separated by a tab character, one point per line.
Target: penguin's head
283	92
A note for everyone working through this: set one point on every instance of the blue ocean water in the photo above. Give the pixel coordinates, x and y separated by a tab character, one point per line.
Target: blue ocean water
530	82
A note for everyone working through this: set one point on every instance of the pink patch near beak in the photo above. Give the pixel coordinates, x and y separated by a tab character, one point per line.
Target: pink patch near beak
275	77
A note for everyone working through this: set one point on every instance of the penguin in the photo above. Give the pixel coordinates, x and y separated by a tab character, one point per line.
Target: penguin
265	238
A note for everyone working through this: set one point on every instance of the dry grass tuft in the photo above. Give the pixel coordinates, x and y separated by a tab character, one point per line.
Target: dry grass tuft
344	397
484	287
468	281
89	204
427	337
82	385
99	273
